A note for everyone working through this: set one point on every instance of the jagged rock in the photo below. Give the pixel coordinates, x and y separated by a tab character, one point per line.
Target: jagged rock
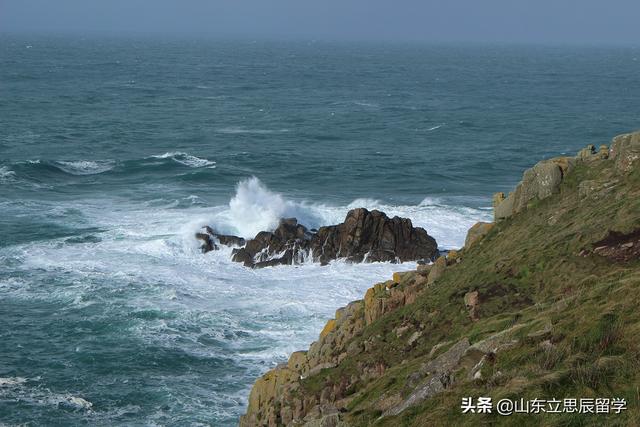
374	236
363	236
209	239
625	151
477	232
207	242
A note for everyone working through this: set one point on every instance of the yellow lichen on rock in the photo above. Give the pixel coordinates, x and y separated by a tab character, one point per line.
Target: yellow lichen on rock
330	326
477	232
436	271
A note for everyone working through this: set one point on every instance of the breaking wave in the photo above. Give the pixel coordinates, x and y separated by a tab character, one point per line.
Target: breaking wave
187	159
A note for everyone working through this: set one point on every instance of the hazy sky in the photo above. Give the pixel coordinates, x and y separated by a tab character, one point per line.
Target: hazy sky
562	21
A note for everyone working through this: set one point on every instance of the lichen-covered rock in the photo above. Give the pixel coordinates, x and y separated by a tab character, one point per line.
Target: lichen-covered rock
625	151
587	154
539	182
503	206
436	271
477	232
472	303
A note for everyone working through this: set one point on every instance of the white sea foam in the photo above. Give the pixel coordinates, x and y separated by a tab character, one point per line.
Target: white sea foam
6	174
18	389
255	208
205	305
85	167
12	381
435	127
366	104
240	130
187	159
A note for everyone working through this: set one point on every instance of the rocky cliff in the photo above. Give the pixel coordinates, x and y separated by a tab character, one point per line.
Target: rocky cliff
543	304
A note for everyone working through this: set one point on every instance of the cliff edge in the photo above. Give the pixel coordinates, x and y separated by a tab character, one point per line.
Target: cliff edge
541	304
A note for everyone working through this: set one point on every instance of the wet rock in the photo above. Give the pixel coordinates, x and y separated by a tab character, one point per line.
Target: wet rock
364	236
372	236
207	242
210	239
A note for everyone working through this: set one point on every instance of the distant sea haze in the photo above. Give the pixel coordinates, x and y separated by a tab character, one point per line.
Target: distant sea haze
115	152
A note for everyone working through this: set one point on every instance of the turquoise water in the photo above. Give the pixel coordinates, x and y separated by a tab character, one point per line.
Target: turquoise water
113	152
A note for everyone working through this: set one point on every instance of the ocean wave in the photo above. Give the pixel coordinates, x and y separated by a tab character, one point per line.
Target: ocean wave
366	104
255	208
187	159
435	127
240	130
85	167
17	389
6	174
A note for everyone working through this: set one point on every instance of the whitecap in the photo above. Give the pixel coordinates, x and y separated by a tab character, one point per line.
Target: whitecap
240	130
6	174
12	381
366	104
187	159
85	167
435	127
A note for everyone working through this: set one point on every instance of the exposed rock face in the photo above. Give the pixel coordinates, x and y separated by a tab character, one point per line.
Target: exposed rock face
477	232
542	181
275	398
364	236
625	151
382	358
373	235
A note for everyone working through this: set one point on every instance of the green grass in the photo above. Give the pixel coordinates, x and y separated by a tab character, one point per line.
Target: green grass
528	272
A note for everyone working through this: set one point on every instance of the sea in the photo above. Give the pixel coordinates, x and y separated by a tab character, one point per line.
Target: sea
115	150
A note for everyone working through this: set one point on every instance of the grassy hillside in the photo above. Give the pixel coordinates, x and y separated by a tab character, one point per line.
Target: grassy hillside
556	315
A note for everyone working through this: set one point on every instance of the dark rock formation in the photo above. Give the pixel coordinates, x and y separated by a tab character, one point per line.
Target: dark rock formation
209	239
364	236
374	236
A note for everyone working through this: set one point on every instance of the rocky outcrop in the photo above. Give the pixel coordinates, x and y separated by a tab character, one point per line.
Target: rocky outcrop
625	151
544	178
275	398
477	232
211	239
364	236
467	324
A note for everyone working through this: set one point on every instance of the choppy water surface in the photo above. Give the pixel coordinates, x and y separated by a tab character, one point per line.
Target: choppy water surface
113	152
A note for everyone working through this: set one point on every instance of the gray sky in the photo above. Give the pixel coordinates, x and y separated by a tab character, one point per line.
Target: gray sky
545	21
